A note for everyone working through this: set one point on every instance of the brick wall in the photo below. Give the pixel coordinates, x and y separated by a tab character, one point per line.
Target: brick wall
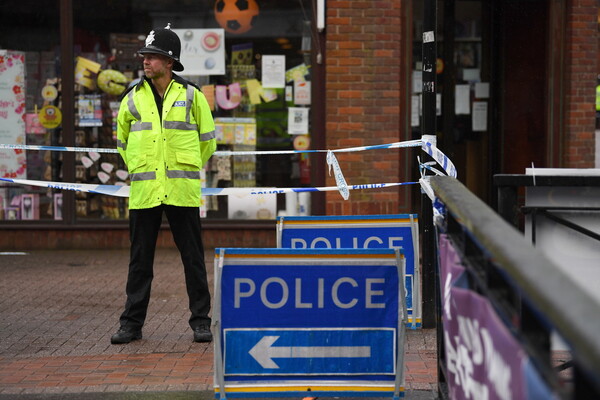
76	237
582	70
363	101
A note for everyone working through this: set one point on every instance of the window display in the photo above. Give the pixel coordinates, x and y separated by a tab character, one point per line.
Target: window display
251	60
28	108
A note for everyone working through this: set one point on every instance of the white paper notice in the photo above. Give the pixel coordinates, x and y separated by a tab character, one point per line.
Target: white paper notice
482	90
461	99
479	117
415	106
302	93
273	71
471	74
202	51
417	81
298	120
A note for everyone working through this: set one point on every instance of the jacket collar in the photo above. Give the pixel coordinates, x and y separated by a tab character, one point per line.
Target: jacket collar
176	78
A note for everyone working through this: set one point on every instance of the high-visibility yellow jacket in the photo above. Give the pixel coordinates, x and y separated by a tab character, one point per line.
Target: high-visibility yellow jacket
164	156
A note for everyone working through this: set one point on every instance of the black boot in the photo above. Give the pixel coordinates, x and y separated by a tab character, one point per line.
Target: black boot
202	334
125	336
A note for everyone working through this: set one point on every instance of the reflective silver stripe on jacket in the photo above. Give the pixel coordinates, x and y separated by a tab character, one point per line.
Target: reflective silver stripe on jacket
189	94
183	174
140	126
122	145
137	125
131	105
143	176
204	137
180	125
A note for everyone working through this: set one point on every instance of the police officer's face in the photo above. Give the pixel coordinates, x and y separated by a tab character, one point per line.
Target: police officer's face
156	65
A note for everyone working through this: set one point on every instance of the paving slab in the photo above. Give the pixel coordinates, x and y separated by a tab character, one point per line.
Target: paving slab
58	310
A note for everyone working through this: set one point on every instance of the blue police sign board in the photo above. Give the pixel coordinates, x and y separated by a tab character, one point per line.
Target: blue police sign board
395	231
328	321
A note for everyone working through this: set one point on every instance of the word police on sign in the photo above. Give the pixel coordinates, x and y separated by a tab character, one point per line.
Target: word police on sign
246	287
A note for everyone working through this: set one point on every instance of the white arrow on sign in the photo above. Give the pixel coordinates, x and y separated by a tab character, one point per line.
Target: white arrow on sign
263	352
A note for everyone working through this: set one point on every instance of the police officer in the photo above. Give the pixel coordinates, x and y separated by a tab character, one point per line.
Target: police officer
165	134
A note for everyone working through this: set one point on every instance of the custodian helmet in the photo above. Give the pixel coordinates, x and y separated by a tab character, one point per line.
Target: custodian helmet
166	42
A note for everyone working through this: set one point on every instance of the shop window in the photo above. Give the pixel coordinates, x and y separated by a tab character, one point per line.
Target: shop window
29	110
251	60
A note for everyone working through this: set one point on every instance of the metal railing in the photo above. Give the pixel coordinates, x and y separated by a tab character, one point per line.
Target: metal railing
508	187
523	286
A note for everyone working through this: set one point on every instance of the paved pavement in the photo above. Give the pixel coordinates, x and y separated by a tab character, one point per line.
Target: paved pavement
58	310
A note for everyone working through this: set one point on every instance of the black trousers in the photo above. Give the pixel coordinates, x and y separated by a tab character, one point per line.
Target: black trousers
186	228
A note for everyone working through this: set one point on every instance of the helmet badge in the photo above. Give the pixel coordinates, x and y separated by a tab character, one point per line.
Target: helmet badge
150	38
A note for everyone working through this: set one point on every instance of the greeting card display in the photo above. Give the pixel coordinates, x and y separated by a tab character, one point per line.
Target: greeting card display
30	206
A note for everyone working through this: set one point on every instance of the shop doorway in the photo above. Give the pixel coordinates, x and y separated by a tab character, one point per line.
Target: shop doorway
523	60
495	76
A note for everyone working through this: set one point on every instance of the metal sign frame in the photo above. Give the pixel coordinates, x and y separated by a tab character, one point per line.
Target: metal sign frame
359	376
375	231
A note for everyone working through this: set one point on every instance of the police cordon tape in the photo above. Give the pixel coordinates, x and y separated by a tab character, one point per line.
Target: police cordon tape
427	144
338	175
123	190
429	147
222	153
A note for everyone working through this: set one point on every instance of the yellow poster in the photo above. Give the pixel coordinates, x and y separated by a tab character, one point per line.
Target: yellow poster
86	72
297	74
250	134
256	91
50	117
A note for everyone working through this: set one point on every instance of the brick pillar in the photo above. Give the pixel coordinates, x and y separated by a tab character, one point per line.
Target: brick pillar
363	100
582	70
